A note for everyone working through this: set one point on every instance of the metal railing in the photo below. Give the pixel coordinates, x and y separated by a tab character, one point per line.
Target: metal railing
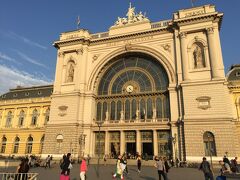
18	176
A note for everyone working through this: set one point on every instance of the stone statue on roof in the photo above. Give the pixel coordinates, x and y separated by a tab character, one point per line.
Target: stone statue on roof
132	17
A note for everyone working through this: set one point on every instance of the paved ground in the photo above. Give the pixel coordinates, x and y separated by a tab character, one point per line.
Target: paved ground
105	173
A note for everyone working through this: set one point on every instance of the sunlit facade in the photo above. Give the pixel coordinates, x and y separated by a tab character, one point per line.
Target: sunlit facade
24	113
140	88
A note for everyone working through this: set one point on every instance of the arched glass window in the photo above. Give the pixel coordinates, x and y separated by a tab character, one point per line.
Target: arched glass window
34	117
149	108
99	107
159	108
47	114
9	119
16	145
41	144
142	109
119	109
29	145
134	109
127	109
21	118
113	110
209	144
104	111
4	144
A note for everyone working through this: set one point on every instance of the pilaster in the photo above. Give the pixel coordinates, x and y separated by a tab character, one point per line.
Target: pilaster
183	36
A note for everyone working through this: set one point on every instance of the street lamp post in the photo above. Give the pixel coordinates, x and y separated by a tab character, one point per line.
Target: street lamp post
173	140
99	124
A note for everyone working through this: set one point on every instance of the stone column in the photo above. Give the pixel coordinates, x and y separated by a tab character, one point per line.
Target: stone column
213	53
138	141
155	143
106	143
184	55
122	142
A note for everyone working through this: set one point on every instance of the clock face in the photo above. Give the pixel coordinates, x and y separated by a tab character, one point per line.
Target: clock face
129	88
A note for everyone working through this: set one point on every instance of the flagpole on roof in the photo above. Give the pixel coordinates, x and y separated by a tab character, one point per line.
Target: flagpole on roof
78	22
192	2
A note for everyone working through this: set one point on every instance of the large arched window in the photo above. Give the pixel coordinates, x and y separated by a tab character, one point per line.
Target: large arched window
34	117
131	85
9	119
29	145
16	145
4	144
21	118
209	144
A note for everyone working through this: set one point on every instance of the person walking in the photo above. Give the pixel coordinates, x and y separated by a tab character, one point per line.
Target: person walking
105	159
48	161
139	163
22	169
119	168
167	167
66	166
83	168
206	169
159	164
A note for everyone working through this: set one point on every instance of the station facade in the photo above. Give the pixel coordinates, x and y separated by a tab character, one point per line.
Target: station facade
143	88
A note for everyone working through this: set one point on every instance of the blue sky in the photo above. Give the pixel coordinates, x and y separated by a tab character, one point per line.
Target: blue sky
28	28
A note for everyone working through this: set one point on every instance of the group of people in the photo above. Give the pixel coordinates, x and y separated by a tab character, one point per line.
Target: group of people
226	168
162	165
66	166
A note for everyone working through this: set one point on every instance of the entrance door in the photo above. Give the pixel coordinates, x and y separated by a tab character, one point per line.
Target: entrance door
147	149
131	149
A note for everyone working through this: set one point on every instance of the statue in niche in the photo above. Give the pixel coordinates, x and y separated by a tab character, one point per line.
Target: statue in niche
107	116
154	113
137	114
70	73
121	115
198	58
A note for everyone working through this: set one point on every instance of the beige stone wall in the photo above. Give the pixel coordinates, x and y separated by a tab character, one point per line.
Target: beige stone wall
68	144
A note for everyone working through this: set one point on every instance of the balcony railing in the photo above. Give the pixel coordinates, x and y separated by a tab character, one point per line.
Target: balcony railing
156	120
23	176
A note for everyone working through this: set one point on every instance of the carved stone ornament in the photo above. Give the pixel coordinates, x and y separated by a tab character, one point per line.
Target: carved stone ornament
132	17
79	51
95	57
210	30
203	102
62	110
183	35
128	46
167	47
60	54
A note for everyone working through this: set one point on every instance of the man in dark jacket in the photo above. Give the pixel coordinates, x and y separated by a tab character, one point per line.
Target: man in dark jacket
206	168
